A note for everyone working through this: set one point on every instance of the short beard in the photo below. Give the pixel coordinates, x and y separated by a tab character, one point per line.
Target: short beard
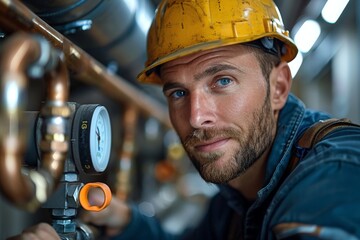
252	144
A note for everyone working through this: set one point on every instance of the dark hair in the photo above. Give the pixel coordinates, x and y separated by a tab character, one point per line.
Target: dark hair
267	62
268	51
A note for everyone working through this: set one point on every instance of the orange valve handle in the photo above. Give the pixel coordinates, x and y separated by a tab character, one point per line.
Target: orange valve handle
84	201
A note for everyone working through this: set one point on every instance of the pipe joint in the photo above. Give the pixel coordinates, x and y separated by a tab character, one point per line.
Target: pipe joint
47	60
41	188
33	57
54	111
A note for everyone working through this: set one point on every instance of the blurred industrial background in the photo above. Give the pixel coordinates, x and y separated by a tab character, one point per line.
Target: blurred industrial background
104	43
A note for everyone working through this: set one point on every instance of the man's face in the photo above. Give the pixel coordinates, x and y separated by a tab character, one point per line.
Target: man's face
219	106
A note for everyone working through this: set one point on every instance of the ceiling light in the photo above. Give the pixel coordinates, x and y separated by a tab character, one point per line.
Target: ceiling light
307	35
333	9
296	64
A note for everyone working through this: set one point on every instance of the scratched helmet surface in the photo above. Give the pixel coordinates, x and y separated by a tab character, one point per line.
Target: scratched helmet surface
183	27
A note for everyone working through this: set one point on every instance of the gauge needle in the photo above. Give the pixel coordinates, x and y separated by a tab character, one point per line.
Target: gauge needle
98	137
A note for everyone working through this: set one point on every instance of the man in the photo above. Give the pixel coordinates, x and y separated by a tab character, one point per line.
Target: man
223	68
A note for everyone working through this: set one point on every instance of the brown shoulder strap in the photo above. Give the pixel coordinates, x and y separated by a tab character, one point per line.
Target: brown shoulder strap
315	133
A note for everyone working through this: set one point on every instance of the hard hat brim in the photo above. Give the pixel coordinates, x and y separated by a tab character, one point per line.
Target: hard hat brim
150	75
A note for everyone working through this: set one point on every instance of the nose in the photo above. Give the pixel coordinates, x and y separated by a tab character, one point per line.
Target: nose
202	110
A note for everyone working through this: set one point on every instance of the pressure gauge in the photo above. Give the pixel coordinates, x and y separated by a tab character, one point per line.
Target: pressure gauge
91	138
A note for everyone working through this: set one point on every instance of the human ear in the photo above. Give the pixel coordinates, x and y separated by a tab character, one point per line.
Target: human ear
280	85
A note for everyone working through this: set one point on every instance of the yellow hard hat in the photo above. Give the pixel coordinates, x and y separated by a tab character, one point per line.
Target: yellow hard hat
183	27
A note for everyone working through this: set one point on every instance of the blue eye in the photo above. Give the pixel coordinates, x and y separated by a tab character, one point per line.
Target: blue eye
178	94
223	82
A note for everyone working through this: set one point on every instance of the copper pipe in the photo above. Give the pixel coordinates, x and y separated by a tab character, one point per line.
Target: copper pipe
23	54
83	67
54	115
127	152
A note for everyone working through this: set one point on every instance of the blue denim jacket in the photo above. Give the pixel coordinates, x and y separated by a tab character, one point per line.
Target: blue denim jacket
320	199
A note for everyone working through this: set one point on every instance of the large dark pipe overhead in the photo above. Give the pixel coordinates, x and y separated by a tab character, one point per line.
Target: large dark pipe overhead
112	31
15	16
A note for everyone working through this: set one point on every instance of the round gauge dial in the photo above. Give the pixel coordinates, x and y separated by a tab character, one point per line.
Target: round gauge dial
92	138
